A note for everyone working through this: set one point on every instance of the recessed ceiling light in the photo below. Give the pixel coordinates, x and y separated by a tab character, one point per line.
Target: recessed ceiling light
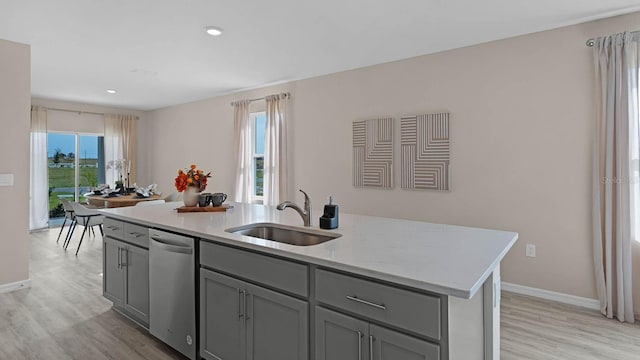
111	91
213	31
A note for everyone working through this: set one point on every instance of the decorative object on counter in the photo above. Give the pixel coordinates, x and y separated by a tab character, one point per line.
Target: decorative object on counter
187	209
191	183
204	199
425	157
218	198
329	219
190	197
373	153
193	177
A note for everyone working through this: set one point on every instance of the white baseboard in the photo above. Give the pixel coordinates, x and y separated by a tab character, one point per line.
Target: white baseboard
552	295
5	288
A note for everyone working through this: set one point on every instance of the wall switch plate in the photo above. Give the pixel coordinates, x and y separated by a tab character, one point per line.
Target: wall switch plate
6	179
530	250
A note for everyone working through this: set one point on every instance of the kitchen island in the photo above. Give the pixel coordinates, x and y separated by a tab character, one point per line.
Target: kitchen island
448	275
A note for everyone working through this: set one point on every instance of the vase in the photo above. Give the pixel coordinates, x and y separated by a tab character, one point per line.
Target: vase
190	196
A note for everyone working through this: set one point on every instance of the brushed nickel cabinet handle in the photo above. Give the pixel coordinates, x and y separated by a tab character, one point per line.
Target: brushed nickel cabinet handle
361	301
135	234
247	306
359	345
240	304
119	258
371	339
125	257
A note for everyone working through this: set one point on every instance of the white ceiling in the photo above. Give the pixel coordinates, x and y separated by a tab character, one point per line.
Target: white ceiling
156	53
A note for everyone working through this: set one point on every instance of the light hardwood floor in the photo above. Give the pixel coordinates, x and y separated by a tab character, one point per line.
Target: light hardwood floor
533	328
64	316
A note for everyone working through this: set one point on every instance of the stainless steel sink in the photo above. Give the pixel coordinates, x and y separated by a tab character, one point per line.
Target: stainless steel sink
284	234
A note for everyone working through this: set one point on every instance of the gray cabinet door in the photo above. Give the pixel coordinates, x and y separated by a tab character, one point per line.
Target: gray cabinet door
136	294
113	273
340	336
222	317
391	345
277	326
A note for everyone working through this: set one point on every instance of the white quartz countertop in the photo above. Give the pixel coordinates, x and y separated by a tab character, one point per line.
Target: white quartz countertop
445	259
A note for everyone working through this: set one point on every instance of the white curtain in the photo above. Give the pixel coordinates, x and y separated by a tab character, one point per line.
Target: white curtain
275	150
39	184
243	145
120	144
615	172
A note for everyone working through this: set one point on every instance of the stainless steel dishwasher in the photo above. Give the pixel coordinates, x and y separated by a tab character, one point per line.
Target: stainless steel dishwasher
172	304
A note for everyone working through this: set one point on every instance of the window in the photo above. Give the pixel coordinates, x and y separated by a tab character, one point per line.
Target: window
258	120
76	163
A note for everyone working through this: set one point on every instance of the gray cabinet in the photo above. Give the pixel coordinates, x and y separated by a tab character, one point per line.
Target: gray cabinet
239	320
392	345
277	325
136	280
126	271
382	302
339	336
222	323
113	273
288	276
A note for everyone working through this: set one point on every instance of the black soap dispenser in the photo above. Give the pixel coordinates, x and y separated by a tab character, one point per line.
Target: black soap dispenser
329	219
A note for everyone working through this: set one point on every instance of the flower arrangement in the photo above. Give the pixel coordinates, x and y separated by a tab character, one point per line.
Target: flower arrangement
191	178
119	166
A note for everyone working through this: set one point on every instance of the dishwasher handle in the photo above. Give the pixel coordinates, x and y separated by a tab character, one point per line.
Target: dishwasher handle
168	245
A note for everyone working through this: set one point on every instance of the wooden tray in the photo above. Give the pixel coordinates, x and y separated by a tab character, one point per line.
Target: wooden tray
185	209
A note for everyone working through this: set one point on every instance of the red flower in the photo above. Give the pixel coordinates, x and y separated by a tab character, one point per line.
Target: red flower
191	178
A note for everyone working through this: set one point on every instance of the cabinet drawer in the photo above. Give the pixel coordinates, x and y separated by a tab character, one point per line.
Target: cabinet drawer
405	309
281	274
114	228
136	234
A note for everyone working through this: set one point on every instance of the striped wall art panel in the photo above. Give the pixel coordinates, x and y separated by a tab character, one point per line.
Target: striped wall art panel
424	142
373	153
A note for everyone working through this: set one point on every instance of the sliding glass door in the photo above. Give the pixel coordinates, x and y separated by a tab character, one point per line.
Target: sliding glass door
76	164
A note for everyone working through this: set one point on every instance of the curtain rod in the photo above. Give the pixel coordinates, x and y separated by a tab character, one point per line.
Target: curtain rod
75	111
262	98
592	41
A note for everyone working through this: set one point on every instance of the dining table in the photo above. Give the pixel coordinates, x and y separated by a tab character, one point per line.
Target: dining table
120	200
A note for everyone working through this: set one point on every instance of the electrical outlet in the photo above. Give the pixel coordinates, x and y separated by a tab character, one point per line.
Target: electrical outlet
530	250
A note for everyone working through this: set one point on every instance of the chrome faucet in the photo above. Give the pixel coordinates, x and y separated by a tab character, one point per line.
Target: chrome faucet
305	214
